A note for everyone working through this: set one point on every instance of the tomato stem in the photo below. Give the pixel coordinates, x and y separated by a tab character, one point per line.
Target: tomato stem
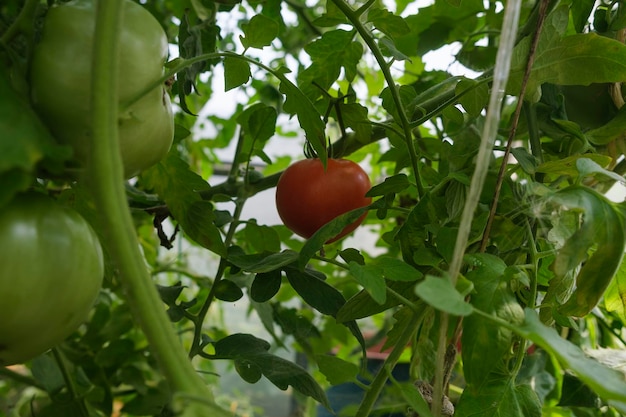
22	24
105	176
354	18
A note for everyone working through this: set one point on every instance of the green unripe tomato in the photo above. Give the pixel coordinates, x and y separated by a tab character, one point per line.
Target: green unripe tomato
51	270
61	82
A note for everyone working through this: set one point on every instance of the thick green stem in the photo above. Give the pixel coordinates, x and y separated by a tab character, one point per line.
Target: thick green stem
105	176
376	387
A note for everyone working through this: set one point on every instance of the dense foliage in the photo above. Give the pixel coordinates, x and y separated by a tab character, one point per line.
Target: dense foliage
489	260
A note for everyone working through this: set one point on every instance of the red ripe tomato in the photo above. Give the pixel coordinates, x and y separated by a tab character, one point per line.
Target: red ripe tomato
307	197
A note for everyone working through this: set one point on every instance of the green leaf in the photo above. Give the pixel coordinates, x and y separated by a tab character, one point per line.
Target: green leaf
526	160
388	23
395	269
362	304
236	72
336	49
475	98
47	373
354	116
331	17
408	97
615	295
394	184
328	231
308	116
610	131
227	290
486	345
588	168
265	285
336	370
609	384
371	278
251	356
315	292
262	238
259	124
239	344
261	262
603	227
25	142
178	186
567	165
579	59
439	293
499	396
260	31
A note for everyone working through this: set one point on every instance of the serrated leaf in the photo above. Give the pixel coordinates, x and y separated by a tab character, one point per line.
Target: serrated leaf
354	116
371	278
475	98
408	97
321	296
498	396
388	23
236	73
393	184
485	344
262	238
439	293
259	124
579	59
336	370
308	116
251	356
259	32
178	186
395	269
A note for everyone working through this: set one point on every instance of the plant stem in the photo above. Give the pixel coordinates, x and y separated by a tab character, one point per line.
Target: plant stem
377	385
69	382
516	116
354	18
105	176
23	22
500	77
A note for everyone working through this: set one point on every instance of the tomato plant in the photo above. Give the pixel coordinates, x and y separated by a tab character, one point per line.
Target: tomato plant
490	219
52	267
309	195
60	76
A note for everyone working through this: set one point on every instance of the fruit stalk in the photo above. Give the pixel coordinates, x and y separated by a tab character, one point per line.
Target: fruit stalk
105	175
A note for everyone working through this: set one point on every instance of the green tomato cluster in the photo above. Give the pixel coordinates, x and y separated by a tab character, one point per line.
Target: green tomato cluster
61	82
